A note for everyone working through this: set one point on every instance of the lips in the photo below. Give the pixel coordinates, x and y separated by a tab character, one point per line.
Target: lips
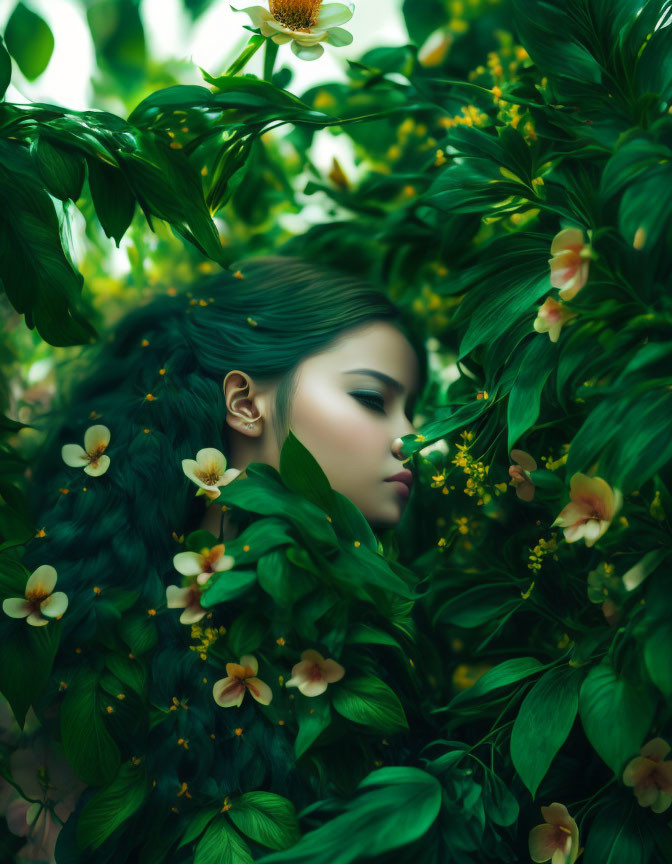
403	477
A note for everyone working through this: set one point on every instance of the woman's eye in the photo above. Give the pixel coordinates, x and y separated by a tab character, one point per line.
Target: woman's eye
372	400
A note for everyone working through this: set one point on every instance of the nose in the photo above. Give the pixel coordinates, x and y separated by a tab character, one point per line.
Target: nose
396	450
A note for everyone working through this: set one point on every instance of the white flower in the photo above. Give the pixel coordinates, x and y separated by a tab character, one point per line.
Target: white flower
91	456
39	600
188	599
209	472
204	563
304	23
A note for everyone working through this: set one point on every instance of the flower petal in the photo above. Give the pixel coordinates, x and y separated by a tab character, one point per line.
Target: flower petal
637	770
228	692
566	239
188	563
16	607
557	814
313	686
527	462
100	466
74	455
261	692
542	843
54	605
257	14
37	620
193	614
333	14
42	580
525	490
332	671
251	662
176	597
96	438
235	670
307	52
313	656
662	803
280	38
658	748
225	562
338	37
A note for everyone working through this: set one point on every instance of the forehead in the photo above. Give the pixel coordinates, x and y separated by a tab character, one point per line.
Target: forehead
377	345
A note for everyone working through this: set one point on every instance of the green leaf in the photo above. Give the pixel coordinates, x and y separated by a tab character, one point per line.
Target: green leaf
375	822
311	725
657	653
525	397
284	583
369	701
301	473
62	171
500	803
508	672
227	585
618	834
29	40
247	632
198	824
27	658
111	806
266	818
129	672
221	844
544	721
38	278
478	605
5	69
89	747
112	197
616	714
138	631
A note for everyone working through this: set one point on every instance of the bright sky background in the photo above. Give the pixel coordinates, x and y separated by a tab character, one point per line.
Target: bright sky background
211	42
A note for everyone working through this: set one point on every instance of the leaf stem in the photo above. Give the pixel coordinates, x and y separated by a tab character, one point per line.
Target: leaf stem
240	62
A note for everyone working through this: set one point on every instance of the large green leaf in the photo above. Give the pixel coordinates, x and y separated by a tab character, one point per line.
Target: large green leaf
62	171
27	658
371	702
618	835
478	605
5	69
301	473
525	397
89	747
111	806
616	714
266	818
221	844
544	721
375	822
314	716
112	197
39	280
508	672
29	40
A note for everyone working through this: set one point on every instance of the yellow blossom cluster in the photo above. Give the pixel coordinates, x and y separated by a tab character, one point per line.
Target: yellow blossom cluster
469	116
476	470
207	637
553	464
542	549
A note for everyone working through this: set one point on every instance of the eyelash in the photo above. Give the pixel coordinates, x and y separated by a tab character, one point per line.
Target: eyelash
369	398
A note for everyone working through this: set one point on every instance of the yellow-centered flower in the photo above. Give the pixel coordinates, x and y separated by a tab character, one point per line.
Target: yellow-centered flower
304	23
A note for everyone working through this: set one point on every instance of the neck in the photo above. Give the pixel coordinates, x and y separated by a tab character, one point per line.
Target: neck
219	523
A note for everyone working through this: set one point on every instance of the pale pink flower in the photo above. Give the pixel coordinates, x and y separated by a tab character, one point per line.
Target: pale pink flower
43	775
204	563
39	604
312	674
519	473
558	840
229	692
188	599
570	262
91	457
551	316
592	507
651	776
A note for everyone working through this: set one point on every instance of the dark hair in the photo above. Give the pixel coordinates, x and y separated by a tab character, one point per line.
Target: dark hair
155	381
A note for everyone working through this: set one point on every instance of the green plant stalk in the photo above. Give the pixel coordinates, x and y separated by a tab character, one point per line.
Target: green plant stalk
250	49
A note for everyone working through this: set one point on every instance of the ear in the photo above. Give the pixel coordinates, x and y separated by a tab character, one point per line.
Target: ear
241	408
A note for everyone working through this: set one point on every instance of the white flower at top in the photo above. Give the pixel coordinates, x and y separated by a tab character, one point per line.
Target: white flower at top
91	457
208	471
304	23
40	602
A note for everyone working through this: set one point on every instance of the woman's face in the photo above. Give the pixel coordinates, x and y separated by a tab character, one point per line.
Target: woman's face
349	418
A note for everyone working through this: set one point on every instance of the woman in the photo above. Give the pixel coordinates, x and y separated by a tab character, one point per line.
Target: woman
232	365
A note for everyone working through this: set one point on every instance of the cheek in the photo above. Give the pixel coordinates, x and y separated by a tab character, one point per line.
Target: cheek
347	444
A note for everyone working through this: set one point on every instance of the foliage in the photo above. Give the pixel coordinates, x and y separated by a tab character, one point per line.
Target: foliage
496	659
